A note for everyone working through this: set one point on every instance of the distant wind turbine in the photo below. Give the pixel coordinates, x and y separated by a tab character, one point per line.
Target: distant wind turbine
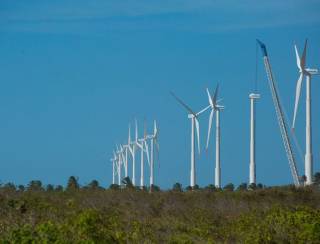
154	142
194	123
114	161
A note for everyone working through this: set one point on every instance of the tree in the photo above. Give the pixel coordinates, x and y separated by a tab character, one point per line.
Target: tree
59	188
154	188
35	185
317	178
188	188
196	187
260	186
177	187
21	188
242	187
94	184
228	187
9	186
72	183
210	187
50	187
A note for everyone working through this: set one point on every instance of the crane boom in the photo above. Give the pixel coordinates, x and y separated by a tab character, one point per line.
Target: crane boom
280	117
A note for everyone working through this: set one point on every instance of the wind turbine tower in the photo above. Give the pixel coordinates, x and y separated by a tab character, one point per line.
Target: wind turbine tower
132	149
154	143
194	124
215	108
113	160
305	72
119	162
252	165
124	155
143	145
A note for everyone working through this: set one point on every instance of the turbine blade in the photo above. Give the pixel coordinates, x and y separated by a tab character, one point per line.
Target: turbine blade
298	92
304	54
209	128
203	110
145	129
297	57
198	133
183	104
147	151
129	135
155	129
215	94
139	145
210	98
136	130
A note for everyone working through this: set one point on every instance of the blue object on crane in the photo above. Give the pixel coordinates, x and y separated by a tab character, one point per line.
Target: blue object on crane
263	48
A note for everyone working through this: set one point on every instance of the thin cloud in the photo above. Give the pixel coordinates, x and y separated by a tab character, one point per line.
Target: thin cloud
187	15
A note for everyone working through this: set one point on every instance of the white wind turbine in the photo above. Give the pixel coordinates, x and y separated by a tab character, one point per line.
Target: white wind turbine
154	142
119	163
194	123
252	165
305	72
114	162
124	158
215	108
132	146
143	145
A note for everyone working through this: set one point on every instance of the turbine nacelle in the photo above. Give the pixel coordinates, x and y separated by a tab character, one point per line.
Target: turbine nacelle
312	71
254	96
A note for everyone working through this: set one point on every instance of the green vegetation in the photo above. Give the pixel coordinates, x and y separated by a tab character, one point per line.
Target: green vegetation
92	214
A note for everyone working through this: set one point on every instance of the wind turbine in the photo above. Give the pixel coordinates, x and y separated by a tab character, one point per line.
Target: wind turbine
194	123
119	162
132	146
215	108
142	144
113	160
252	165
154	142
305	72
124	157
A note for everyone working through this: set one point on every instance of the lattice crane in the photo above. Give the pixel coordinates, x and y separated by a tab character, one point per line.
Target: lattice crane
280	117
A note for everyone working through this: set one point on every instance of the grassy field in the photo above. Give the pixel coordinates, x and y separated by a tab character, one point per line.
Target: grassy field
95	215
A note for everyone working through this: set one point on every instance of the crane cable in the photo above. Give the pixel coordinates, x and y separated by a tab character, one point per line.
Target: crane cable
256	71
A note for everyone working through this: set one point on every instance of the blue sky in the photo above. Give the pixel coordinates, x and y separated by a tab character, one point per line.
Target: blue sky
75	73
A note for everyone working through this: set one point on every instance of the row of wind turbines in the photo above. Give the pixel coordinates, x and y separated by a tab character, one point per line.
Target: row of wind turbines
121	154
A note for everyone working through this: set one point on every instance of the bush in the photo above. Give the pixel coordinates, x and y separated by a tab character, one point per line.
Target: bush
228	187
242	187
72	184
177	187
